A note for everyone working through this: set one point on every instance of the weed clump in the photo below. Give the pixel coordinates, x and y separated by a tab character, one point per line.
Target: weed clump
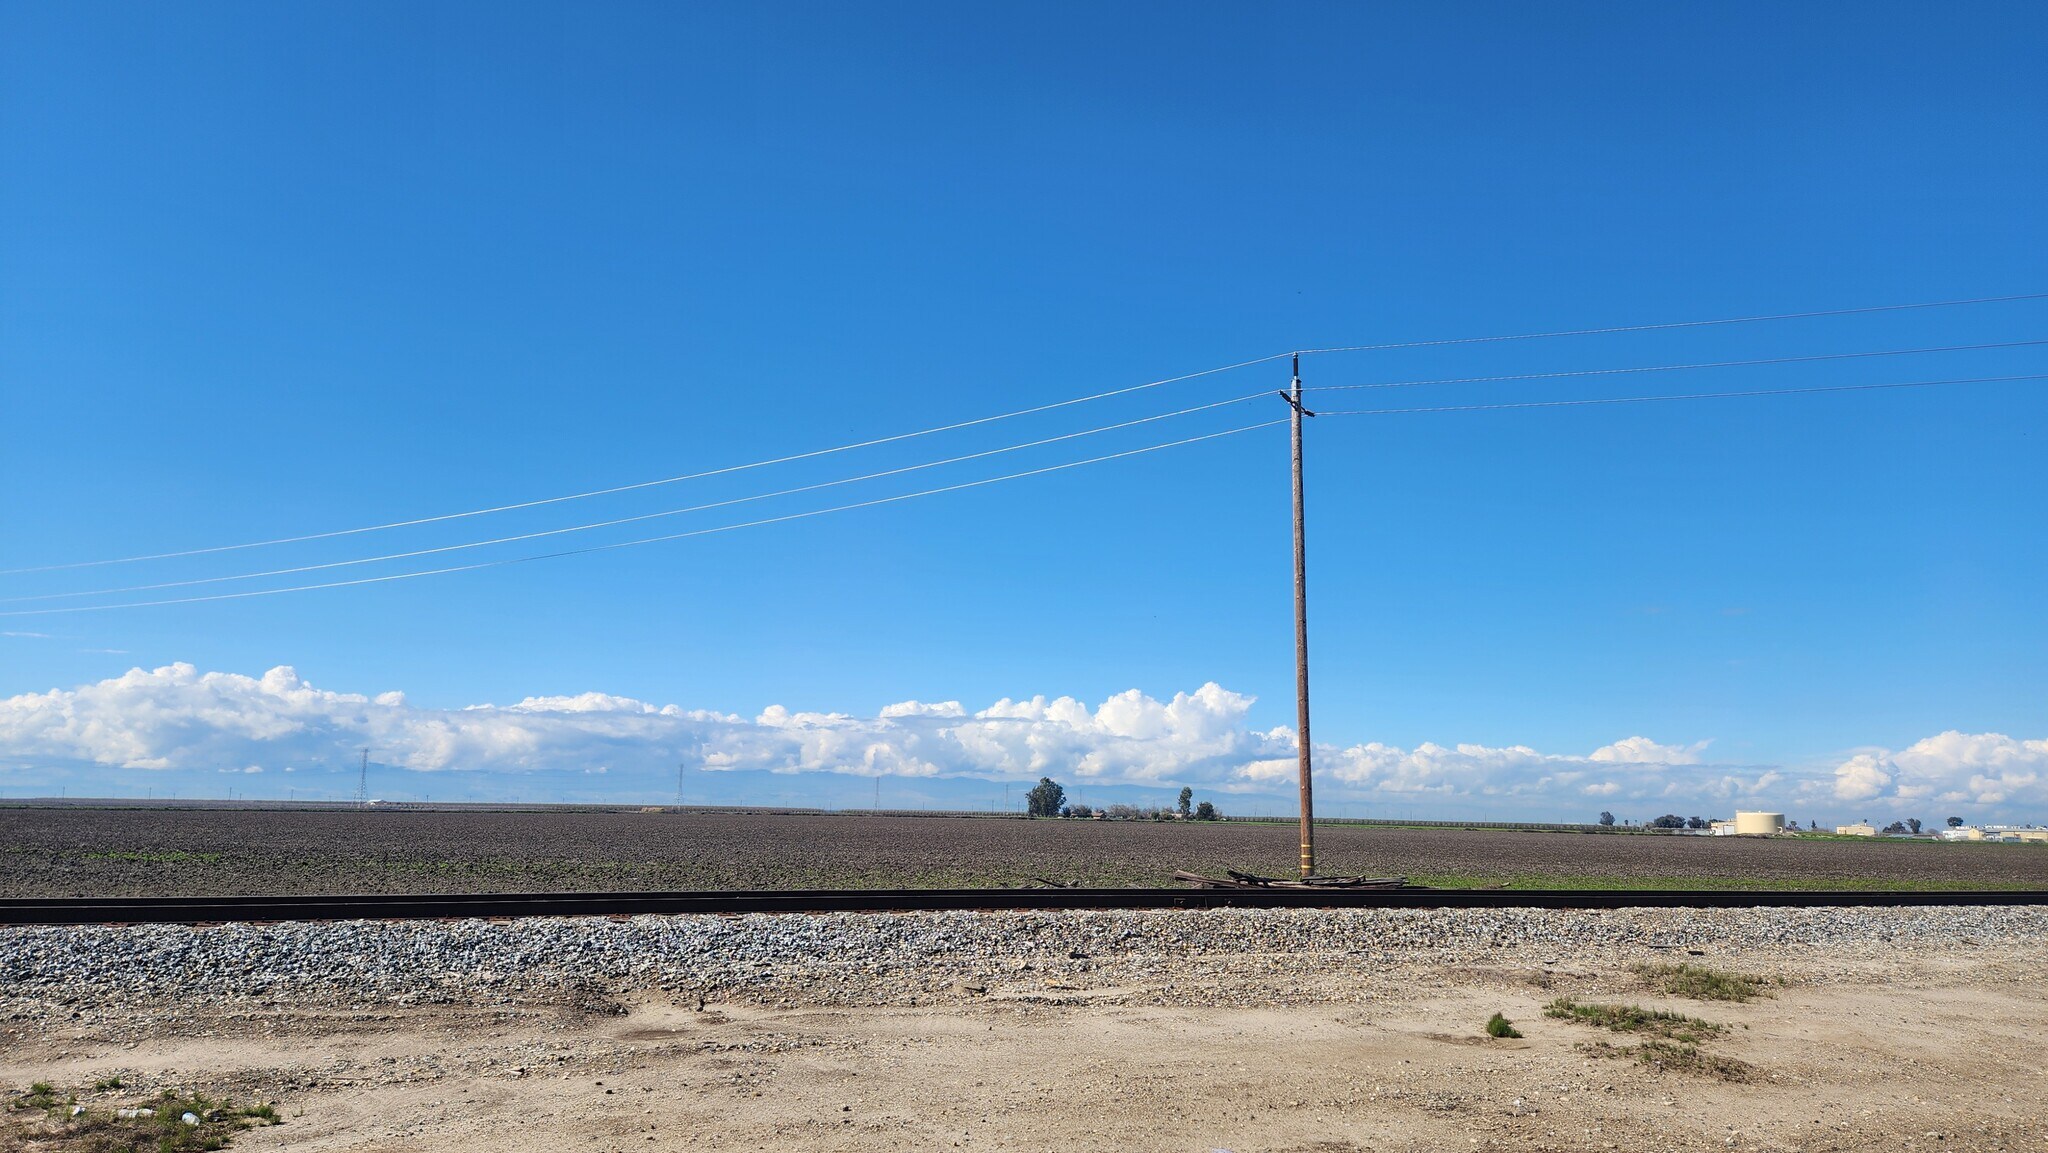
1499	1026
1675	1056
1635	1019
1702	983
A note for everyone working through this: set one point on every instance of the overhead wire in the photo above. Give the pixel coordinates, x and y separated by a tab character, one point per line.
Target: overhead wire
1677	324
653	539
1584	372
1576	402
539	534
814	453
1580	402
616	521
596	492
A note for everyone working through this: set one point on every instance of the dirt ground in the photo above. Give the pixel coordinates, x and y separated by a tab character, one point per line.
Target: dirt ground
1895	1047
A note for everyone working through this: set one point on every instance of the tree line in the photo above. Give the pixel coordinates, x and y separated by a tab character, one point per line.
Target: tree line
1049	799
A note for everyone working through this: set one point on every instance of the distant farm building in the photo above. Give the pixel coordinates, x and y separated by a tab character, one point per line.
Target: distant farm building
2007	834
2001	833
1859	829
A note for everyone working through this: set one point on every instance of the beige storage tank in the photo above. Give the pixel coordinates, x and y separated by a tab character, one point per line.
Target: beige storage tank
1759	824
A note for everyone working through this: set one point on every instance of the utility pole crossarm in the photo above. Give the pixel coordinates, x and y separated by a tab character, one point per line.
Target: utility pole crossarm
1294	400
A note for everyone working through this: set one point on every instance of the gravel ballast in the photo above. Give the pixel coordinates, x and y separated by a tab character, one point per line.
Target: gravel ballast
912	958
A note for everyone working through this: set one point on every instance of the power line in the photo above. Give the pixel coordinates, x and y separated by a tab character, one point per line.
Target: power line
1685	396
812	454
1029	473
1675	367
1679	324
728	469
539	534
652	539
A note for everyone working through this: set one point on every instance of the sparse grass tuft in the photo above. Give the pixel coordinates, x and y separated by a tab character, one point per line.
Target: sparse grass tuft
1634	1019
1676	1057
105	1083
1702	983
1689	1058
1499	1026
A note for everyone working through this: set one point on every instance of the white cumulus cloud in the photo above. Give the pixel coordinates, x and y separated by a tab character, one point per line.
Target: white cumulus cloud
1951	768
1644	751
1862	777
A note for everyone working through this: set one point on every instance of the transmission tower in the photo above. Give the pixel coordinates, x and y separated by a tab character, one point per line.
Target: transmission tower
363	781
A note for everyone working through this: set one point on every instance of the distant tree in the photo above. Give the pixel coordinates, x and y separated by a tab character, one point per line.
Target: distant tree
1206	812
1913	823
1895	827
1045	799
1123	812
1955	822
1606	818
1187	799
1695	822
1081	812
1668	821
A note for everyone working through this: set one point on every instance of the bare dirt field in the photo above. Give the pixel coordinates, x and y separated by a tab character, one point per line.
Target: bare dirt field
76	851
1924	1038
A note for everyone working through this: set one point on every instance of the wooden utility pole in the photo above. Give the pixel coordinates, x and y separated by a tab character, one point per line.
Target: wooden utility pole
1308	828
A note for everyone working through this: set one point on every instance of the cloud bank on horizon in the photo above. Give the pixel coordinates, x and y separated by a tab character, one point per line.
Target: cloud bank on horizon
177	718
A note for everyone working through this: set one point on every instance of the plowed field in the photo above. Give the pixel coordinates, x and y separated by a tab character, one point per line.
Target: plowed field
78	851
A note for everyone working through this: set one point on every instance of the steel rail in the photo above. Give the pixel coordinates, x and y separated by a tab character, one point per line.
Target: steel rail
378	907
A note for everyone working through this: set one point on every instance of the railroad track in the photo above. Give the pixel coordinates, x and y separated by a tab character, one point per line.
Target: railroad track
210	910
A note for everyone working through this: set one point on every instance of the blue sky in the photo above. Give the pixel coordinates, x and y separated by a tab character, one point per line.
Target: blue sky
271	271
